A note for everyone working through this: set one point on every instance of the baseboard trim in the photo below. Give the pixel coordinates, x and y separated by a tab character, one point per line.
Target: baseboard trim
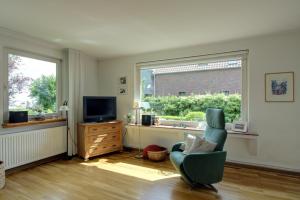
130	148
34	164
261	168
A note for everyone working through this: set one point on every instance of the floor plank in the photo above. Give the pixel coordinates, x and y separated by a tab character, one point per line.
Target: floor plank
121	176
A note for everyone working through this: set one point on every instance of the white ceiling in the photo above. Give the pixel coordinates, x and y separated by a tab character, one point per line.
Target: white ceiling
112	28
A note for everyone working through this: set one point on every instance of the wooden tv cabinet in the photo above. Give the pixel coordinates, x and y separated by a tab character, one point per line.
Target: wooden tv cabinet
95	139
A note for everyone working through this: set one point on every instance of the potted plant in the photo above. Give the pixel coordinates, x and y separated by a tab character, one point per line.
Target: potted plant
129	118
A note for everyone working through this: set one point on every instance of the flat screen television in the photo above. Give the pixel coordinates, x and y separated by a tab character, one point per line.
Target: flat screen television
99	109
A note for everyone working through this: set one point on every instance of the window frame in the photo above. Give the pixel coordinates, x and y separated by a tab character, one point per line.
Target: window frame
242	54
36	56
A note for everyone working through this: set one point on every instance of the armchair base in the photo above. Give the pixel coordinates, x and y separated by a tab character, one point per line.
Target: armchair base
211	187
198	185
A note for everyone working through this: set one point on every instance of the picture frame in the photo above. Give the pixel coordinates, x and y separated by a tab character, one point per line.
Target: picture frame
279	87
122	85
123	80
123	90
239	127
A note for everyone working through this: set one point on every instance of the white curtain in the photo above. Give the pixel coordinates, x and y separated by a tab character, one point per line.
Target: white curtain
76	79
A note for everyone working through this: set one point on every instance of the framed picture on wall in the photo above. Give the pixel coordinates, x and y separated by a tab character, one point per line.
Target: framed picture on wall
123	90
279	87
122	85
123	80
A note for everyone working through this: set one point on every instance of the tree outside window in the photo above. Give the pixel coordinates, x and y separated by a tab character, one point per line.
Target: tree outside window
31	85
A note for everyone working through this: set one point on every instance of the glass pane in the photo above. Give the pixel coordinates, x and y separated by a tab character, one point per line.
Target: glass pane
31	85
184	92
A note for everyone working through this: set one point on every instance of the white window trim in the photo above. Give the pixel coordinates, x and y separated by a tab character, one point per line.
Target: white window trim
58	62
243	54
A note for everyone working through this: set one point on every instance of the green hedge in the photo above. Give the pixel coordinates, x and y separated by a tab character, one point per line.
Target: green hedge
191	116
184	106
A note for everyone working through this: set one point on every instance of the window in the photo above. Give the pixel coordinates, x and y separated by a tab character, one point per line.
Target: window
181	93
32	83
226	92
183	90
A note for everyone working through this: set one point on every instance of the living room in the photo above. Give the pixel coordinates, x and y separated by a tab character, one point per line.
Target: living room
139	60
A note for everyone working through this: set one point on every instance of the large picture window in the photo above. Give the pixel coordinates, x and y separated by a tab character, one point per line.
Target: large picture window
32	83
183	90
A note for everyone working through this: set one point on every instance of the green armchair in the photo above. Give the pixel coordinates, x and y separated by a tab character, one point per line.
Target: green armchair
204	168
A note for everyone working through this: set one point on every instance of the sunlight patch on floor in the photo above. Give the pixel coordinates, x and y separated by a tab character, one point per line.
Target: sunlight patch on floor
137	171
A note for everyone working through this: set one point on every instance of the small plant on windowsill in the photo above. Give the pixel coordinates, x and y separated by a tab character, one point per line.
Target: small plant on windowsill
40	116
129	118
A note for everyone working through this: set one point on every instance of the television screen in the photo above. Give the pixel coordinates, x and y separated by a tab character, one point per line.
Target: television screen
99	109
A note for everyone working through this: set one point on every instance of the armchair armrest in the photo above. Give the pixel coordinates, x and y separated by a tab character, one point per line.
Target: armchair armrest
176	147
206	168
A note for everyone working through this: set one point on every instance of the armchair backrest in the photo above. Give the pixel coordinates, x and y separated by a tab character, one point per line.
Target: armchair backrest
215	131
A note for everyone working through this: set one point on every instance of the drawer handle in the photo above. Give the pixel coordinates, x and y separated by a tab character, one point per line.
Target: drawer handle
113	127
114	136
114	145
94	129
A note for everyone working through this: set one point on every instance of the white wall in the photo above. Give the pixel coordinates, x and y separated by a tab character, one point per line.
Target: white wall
91	83
276	123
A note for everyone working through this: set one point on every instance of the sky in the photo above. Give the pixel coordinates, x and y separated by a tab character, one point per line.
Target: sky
36	68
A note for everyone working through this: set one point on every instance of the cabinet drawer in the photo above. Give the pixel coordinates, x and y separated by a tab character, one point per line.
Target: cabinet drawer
105	148
96	138
102	138
113	137
102	129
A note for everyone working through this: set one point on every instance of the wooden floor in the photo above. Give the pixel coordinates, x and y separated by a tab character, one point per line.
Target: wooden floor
121	176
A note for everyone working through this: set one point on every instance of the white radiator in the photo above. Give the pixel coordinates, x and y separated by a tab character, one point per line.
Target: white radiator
17	149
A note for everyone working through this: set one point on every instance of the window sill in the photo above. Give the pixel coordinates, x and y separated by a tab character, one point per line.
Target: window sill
32	123
246	135
31	127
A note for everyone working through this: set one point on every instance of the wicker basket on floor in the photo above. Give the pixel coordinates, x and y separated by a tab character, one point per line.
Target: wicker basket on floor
157	155
2	175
